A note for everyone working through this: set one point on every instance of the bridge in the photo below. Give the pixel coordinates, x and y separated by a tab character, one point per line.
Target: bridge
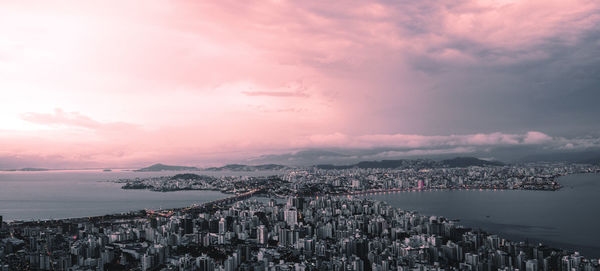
378	191
206	205
394	190
225	201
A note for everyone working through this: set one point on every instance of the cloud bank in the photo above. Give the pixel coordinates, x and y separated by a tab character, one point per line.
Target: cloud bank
192	82
75	140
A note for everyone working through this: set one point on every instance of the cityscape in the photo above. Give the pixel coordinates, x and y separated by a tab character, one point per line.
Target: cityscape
303	219
356	181
281	135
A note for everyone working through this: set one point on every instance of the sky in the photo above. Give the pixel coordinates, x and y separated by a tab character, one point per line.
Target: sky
129	83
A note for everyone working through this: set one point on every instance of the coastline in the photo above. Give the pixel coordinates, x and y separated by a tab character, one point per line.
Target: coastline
142	213
567	228
354	193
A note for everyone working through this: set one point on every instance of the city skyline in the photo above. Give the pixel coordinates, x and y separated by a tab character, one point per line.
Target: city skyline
129	84
278	135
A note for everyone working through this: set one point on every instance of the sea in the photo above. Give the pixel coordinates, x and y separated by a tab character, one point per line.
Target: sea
43	195
568	218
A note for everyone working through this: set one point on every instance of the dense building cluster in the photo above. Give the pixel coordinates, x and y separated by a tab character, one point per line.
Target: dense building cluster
322	226
326	233
316	181
540	176
191	181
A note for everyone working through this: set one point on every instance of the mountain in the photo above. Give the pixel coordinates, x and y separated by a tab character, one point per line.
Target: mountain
377	164
28	169
384	157
161	167
591	156
416	163
239	167
350	157
192	176
303	158
468	162
593	161
419	163
330	166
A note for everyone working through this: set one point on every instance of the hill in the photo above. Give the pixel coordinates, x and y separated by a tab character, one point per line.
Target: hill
417	163
239	167
192	176
468	162
28	169
162	167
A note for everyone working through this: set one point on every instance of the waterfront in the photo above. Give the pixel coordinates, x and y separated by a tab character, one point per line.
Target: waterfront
567	218
81	193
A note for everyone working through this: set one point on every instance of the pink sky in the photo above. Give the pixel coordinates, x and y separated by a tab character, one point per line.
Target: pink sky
199	82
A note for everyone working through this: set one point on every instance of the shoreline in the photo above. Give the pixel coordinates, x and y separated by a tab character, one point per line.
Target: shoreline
141	215
358	193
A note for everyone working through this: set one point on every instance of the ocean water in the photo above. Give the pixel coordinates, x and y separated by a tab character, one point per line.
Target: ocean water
568	218
81	193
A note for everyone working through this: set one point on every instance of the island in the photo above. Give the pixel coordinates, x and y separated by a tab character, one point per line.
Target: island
28	169
163	167
239	167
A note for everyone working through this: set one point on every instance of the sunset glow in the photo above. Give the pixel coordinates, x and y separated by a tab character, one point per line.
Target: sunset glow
113	84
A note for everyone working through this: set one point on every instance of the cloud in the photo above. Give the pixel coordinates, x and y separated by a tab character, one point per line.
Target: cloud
184	79
71	146
275	93
580	143
73	119
59	117
419	152
296	89
444	143
536	138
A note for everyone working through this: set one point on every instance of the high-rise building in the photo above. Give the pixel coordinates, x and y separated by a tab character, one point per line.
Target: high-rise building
531	265
187	225
146	261
262	234
296	202
230	264
291	216
222	226
283	237
205	263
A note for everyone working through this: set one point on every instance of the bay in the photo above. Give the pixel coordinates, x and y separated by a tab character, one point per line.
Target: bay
42	195
568	218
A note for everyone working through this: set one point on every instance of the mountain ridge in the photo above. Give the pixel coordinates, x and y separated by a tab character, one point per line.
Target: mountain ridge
418	163
241	167
162	167
231	167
